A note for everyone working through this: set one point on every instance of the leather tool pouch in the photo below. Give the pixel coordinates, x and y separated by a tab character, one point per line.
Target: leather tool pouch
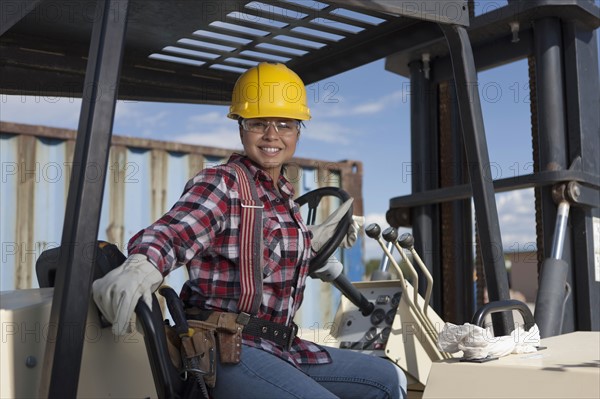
196	353
229	336
205	347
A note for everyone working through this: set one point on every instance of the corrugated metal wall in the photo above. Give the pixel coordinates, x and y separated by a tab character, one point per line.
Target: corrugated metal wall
144	179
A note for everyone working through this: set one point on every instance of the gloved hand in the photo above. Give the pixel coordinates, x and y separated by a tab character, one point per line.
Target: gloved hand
324	231
117	293
357	223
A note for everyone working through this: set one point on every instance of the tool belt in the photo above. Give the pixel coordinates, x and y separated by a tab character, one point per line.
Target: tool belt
211	331
279	334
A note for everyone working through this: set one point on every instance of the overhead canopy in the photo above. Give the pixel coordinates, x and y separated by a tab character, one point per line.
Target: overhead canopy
193	51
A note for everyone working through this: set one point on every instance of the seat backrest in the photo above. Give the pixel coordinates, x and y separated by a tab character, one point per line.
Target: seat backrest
108	256
166	377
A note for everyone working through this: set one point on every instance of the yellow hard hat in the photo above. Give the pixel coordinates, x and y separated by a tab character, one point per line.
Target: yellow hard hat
269	90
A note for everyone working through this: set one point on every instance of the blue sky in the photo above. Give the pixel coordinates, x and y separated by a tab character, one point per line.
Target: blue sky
363	115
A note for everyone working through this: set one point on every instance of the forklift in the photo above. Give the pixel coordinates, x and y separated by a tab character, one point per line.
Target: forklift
54	343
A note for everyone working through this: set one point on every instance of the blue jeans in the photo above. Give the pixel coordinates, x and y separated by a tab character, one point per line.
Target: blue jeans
262	375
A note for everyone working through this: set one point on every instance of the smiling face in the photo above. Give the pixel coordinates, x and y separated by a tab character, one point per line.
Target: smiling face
269	149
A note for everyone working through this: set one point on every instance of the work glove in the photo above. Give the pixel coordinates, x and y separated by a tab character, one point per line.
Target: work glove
323	232
117	293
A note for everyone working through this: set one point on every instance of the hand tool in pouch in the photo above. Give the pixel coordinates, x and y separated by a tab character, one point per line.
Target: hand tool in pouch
189	354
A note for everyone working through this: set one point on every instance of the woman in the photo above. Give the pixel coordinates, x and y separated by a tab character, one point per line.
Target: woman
201	231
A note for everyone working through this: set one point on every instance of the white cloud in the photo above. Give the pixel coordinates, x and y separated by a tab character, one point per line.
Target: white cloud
210	129
343	109
369	108
221	137
130	111
209	117
134	118
381	103
516	216
45	111
328	132
516	210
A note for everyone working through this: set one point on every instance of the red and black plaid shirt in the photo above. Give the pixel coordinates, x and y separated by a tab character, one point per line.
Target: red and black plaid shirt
201	231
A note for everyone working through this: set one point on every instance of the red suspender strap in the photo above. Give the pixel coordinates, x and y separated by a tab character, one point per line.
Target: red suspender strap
251	242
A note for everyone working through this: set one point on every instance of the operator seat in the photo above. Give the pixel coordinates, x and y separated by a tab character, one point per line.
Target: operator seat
166	377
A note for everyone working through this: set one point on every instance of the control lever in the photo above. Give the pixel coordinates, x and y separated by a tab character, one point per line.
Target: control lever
382	272
355	296
391	236
374	231
407	241
333	272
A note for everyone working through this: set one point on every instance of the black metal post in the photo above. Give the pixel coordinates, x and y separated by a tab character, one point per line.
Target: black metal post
462	230
62	360
553	146
486	212
582	83
423	174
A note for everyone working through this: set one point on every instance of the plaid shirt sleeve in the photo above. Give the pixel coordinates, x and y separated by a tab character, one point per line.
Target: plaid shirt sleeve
191	225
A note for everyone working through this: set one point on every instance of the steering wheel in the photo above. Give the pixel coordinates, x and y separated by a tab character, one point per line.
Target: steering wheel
313	199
